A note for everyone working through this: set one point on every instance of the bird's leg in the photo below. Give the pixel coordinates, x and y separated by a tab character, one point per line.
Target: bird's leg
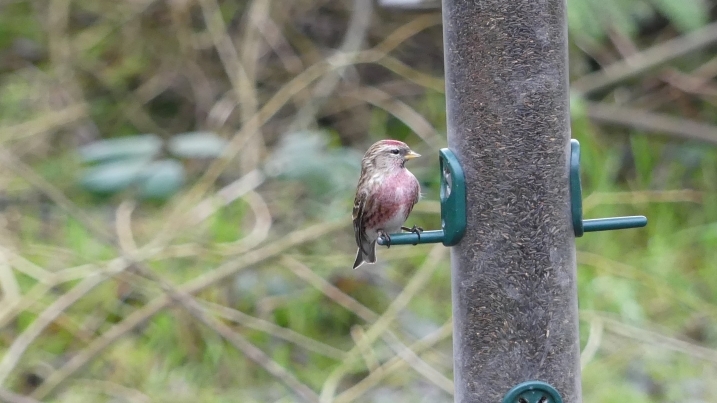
415	230
386	238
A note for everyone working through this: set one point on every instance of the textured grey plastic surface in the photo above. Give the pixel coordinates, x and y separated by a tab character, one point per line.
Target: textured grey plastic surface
514	287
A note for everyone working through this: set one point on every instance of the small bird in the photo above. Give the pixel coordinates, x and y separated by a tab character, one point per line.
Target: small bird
385	196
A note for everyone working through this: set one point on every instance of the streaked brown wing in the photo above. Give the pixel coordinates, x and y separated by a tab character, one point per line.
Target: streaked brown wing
358	213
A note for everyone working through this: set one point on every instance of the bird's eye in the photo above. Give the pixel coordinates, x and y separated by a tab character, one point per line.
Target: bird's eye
395	151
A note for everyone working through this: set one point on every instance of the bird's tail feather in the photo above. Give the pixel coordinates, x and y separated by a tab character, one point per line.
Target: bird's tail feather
365	254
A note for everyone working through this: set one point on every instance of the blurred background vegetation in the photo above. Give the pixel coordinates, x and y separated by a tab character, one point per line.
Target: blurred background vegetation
176	182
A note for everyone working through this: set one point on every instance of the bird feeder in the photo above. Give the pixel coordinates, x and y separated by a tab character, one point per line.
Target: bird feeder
511	202
453	206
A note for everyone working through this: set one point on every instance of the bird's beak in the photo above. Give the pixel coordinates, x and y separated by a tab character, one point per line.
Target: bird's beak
412	154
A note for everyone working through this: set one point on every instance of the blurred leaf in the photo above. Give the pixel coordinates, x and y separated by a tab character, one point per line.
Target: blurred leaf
581	21
622	16
113	176
142	146
304	156
687	15
197	145
162	179
594	18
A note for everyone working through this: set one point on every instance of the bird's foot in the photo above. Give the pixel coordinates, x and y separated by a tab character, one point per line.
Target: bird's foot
415	230
386	238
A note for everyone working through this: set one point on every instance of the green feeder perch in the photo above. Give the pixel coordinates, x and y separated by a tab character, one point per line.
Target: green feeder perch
581	226
453	208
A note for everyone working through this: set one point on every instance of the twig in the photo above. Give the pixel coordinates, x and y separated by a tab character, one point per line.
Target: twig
409	116
417	282
389	337
50	120
240	70
22	342
274	37
50	314
353	39
698	82
129	104
124	232
228	55
240	188
275	330
396	89
9	312
594	340
226	195
61	57
283	96
654	122
11	293
646	60
258	233
425	80
115	390
369	356
423	368
394	364
238	341
368	56
194	286
408	30
257	13
328	289
23	170
195	309
123	225
650	337
645	279
689	83
26	267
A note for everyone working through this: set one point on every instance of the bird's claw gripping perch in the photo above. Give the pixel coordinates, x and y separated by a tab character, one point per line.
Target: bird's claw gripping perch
415	230
386	239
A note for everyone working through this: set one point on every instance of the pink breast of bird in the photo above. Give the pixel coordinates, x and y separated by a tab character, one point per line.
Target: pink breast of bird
394	202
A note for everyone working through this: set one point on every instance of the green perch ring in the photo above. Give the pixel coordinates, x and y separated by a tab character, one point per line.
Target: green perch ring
453	207
581	226
533	392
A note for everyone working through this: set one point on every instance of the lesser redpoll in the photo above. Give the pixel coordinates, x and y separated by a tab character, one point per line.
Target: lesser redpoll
385	196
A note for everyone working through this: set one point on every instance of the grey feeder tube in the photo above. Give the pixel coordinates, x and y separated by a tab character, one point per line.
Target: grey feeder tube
513	272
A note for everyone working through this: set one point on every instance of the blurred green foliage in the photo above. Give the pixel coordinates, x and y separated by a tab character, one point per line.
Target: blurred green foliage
594	18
